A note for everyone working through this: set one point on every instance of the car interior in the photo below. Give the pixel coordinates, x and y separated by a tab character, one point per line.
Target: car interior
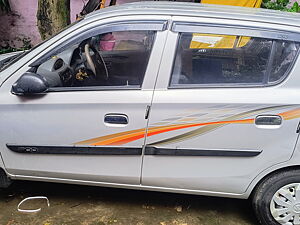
119	60
245	64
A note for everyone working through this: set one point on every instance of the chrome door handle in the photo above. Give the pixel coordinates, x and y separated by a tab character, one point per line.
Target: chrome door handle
268	120
116	119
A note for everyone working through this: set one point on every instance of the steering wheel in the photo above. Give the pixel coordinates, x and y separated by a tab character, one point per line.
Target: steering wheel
95	62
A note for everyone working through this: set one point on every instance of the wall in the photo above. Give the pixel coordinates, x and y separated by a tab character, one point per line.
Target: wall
292	1
21	24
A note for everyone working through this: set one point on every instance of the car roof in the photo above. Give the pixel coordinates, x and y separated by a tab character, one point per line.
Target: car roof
201	10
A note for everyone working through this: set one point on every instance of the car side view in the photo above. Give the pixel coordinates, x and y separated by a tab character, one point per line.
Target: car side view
173	97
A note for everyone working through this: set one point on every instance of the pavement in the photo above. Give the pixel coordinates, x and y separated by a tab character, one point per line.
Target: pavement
85	205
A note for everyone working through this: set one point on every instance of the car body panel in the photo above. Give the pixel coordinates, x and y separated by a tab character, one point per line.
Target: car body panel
75	118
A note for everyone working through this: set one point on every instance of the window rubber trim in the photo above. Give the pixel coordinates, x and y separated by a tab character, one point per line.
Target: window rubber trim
95	88
208	28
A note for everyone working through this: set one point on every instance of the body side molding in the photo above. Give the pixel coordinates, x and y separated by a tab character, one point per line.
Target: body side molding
115	150
75	150
151	150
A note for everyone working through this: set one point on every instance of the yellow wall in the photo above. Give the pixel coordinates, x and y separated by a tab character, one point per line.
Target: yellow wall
245	3
225	41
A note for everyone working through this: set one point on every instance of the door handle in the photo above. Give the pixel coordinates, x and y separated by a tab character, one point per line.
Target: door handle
117	119
268	120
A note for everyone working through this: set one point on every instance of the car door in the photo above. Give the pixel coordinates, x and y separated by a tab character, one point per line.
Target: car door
226	112
80	129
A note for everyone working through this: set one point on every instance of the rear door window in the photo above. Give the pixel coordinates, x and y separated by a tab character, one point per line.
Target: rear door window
284	55
229	60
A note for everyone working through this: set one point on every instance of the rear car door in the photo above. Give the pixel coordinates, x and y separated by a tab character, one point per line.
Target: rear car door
80	129
227	110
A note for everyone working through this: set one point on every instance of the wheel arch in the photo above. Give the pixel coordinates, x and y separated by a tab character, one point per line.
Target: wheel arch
266	174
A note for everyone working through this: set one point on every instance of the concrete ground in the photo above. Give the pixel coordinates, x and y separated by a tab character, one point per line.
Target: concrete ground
72	204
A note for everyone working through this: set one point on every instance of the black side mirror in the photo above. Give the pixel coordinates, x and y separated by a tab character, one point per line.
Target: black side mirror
29	84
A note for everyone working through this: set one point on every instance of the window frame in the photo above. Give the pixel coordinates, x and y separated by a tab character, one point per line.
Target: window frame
144	25
273	35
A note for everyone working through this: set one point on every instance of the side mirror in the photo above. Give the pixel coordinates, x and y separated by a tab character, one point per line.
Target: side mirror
30	84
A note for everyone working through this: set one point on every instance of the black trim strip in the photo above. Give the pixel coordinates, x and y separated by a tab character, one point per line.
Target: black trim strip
95	88
150	150
75	150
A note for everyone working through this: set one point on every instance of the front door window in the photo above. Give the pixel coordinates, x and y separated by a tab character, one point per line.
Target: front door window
108	59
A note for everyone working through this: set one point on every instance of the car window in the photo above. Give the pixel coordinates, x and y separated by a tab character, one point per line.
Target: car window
284	56
5	61
116	59
220	60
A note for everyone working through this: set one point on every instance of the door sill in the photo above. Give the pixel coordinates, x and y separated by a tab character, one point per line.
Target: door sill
132	186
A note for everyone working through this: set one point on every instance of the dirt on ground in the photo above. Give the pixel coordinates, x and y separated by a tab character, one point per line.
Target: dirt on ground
84	205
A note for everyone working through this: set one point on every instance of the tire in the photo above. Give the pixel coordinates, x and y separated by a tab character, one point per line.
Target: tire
277	198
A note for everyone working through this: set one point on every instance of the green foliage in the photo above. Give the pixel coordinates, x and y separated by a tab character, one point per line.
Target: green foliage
7	48
4	50
295	7
283	5
63	12
4	5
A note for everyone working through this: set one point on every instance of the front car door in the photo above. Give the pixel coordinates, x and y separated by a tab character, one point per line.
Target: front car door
226	112
80	129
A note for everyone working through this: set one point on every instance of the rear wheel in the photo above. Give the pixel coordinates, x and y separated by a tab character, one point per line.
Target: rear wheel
277	199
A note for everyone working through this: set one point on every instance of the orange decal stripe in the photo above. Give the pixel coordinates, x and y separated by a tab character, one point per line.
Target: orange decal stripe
158	130
116	139
106	137
199	124
127	136
133	135
127	140
292	114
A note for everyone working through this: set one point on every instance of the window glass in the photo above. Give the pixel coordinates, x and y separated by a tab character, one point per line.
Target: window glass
284	56
212	59
108	59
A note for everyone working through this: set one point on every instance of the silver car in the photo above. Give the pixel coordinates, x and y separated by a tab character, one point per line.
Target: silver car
175	97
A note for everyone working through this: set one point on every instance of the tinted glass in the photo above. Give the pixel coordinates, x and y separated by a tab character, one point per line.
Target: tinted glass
212	59
284	56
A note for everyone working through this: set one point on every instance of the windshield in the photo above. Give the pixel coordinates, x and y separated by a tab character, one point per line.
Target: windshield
11	60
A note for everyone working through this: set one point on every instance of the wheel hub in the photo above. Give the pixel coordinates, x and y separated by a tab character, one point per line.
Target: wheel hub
285	205
296	208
